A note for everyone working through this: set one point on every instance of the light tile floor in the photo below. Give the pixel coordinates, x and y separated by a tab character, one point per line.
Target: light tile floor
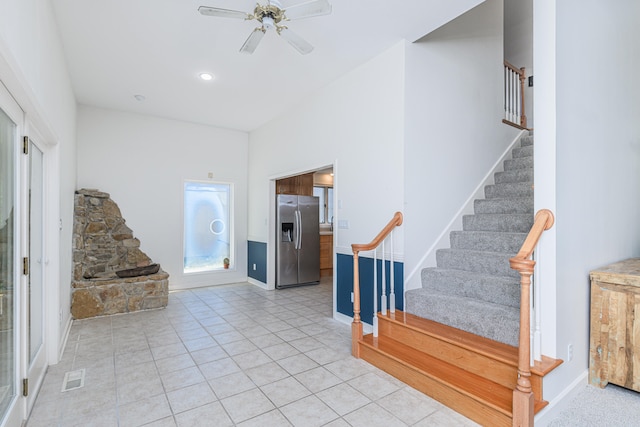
224	356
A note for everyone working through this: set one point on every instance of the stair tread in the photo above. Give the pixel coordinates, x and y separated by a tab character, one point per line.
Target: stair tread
503	352
468	273
491	233
487	347
478	252
484	262
481	389
503	290
498	322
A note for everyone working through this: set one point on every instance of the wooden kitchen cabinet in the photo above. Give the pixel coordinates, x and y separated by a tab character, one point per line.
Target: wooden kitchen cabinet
301	185
614	347
326	255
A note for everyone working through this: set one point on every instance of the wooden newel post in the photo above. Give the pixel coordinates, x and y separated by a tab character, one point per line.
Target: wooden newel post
523	117
356	326
523	395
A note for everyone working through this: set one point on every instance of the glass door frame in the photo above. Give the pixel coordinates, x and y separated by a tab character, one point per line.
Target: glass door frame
33	367
25	366
14	414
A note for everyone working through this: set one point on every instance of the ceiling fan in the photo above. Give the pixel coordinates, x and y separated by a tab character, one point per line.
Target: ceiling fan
272	15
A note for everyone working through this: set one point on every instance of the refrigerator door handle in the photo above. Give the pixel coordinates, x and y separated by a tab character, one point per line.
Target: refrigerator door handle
299	229
296	229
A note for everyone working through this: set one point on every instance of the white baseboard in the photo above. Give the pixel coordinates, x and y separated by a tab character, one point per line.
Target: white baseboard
562	401
347	320
258	283
63	340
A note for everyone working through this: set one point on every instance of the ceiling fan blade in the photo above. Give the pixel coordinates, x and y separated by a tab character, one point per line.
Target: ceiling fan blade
252	41
223	13
300	44
308	9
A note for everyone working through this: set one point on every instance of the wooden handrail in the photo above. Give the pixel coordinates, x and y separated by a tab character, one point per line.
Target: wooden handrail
522	262
356	325
543	221
514	68
395	221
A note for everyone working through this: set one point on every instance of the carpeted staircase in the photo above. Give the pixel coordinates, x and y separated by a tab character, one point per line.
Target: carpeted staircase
458	341
473	287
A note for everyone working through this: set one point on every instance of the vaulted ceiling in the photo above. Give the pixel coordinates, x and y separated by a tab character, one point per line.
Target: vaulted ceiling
117	49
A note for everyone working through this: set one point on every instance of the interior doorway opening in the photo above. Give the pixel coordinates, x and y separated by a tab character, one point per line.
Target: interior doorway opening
313	182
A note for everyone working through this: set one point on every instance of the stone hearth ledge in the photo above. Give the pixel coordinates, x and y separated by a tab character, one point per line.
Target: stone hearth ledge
114	295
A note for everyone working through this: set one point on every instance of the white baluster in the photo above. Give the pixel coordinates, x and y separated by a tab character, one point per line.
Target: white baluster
509	94
375	293
383	298
513	98
516	82
506	93
392	292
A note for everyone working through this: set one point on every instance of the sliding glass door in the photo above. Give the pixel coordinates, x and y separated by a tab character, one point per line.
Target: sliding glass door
34	292
8	285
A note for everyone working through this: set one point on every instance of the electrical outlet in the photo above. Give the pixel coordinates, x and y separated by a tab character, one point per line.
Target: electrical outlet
254	267
569	352
351	296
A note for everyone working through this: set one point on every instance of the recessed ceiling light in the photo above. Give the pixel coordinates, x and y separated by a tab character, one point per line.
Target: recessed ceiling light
206	76
139	97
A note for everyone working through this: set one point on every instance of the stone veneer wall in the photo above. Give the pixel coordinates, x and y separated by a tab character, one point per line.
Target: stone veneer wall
103	245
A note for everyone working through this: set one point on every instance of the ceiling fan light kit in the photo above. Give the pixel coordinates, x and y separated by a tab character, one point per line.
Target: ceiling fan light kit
270	16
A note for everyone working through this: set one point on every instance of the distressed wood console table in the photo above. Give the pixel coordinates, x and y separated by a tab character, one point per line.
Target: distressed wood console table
614	347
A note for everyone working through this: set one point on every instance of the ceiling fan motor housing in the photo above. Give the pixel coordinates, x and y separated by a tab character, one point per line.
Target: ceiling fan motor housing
269	15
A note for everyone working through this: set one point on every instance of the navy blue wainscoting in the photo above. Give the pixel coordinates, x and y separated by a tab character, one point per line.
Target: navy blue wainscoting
344	285
257	255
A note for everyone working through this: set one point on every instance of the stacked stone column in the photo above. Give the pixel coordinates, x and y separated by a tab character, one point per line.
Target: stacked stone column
103	245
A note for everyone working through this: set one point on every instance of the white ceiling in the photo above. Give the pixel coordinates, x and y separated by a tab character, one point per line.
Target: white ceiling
116	49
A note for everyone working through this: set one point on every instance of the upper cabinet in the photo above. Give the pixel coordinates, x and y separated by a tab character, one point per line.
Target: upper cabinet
301	185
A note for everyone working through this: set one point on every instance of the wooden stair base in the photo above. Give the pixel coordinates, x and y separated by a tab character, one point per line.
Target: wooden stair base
473	375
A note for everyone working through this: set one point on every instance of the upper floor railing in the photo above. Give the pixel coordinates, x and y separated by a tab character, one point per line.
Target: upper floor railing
514	110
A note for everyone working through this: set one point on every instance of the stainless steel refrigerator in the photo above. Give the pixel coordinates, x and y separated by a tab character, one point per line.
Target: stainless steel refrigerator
298	237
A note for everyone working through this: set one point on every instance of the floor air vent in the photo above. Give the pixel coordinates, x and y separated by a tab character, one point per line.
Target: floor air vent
73	380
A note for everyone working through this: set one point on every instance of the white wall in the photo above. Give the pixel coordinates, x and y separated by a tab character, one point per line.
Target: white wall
454	132
142	162
33	68
355	124
597	135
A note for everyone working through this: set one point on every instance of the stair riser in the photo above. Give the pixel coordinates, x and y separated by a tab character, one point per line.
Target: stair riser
526	151
516	189
481	262
514	175
515	223
454	399
520	205
497	371
525	162
499	291
499	323
526	141
487	241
